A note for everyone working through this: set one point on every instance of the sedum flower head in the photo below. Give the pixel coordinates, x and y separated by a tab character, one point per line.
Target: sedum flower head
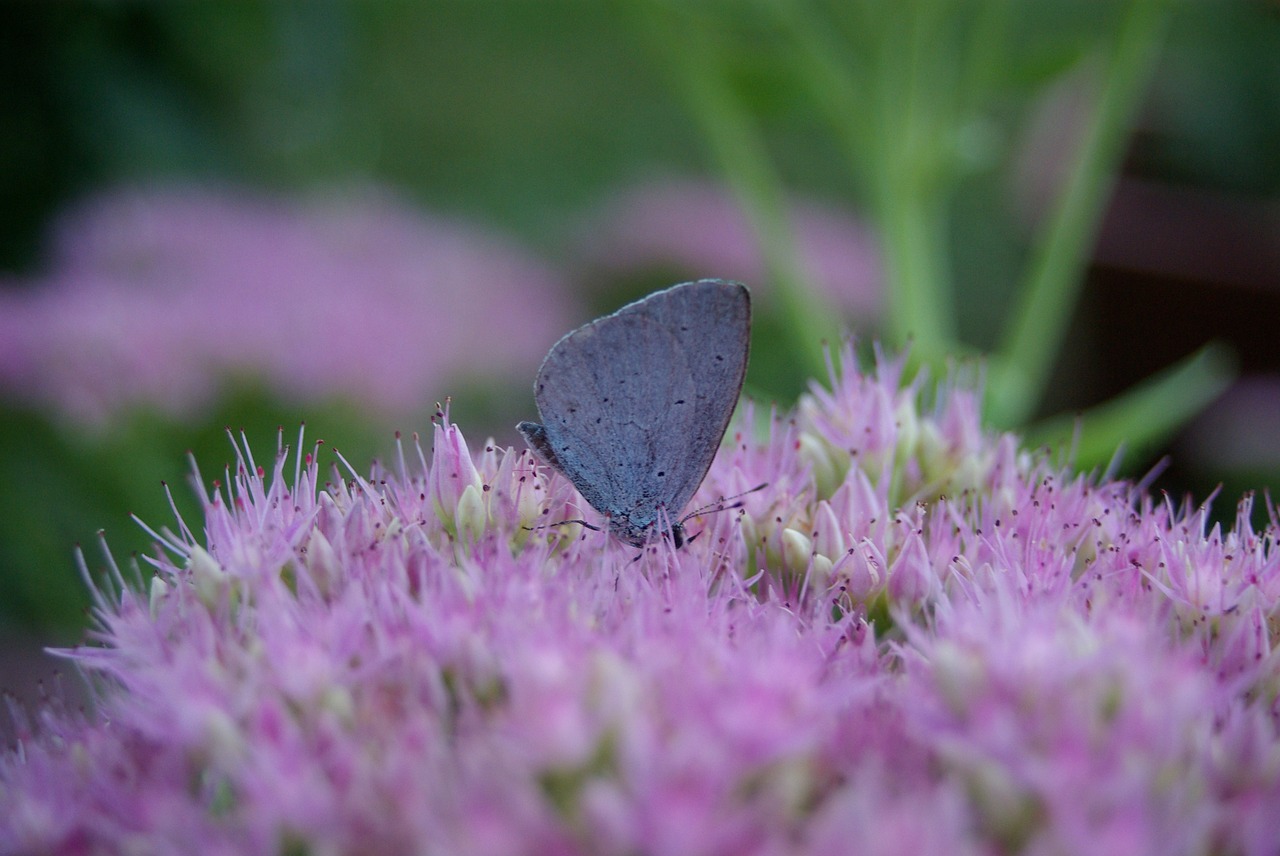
917	639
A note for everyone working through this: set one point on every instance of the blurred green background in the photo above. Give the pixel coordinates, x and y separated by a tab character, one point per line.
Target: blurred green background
946	128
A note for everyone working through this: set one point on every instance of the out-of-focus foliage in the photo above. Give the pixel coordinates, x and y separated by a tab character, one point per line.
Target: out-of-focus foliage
516	113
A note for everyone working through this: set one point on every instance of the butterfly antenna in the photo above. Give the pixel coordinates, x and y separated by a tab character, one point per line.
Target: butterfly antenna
590	526
719	504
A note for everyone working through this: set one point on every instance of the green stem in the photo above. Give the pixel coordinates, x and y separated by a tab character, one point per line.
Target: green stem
697	72
888	121
917	115
1045	305
914	233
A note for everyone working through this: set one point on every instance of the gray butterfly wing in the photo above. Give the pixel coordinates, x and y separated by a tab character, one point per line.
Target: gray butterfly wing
635	404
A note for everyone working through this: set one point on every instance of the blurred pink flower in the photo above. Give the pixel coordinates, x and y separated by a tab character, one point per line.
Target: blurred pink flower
917	639
159	297
694	229
1239	432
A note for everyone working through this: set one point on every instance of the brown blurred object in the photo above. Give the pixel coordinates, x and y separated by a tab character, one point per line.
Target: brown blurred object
1173	269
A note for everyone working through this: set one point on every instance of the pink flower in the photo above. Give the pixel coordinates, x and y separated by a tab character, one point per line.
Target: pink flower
161	297
454	482
917	639
1237	433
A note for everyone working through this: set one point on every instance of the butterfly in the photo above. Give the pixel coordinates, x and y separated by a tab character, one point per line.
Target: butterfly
634	405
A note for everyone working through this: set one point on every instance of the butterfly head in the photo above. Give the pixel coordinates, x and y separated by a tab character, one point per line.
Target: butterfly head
638	536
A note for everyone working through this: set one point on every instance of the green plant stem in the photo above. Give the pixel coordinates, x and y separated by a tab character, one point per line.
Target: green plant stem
888	124
917	116
697	71
914	233
1046	302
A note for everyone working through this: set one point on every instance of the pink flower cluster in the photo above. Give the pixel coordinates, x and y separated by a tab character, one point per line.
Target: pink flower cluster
159	296
917	639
